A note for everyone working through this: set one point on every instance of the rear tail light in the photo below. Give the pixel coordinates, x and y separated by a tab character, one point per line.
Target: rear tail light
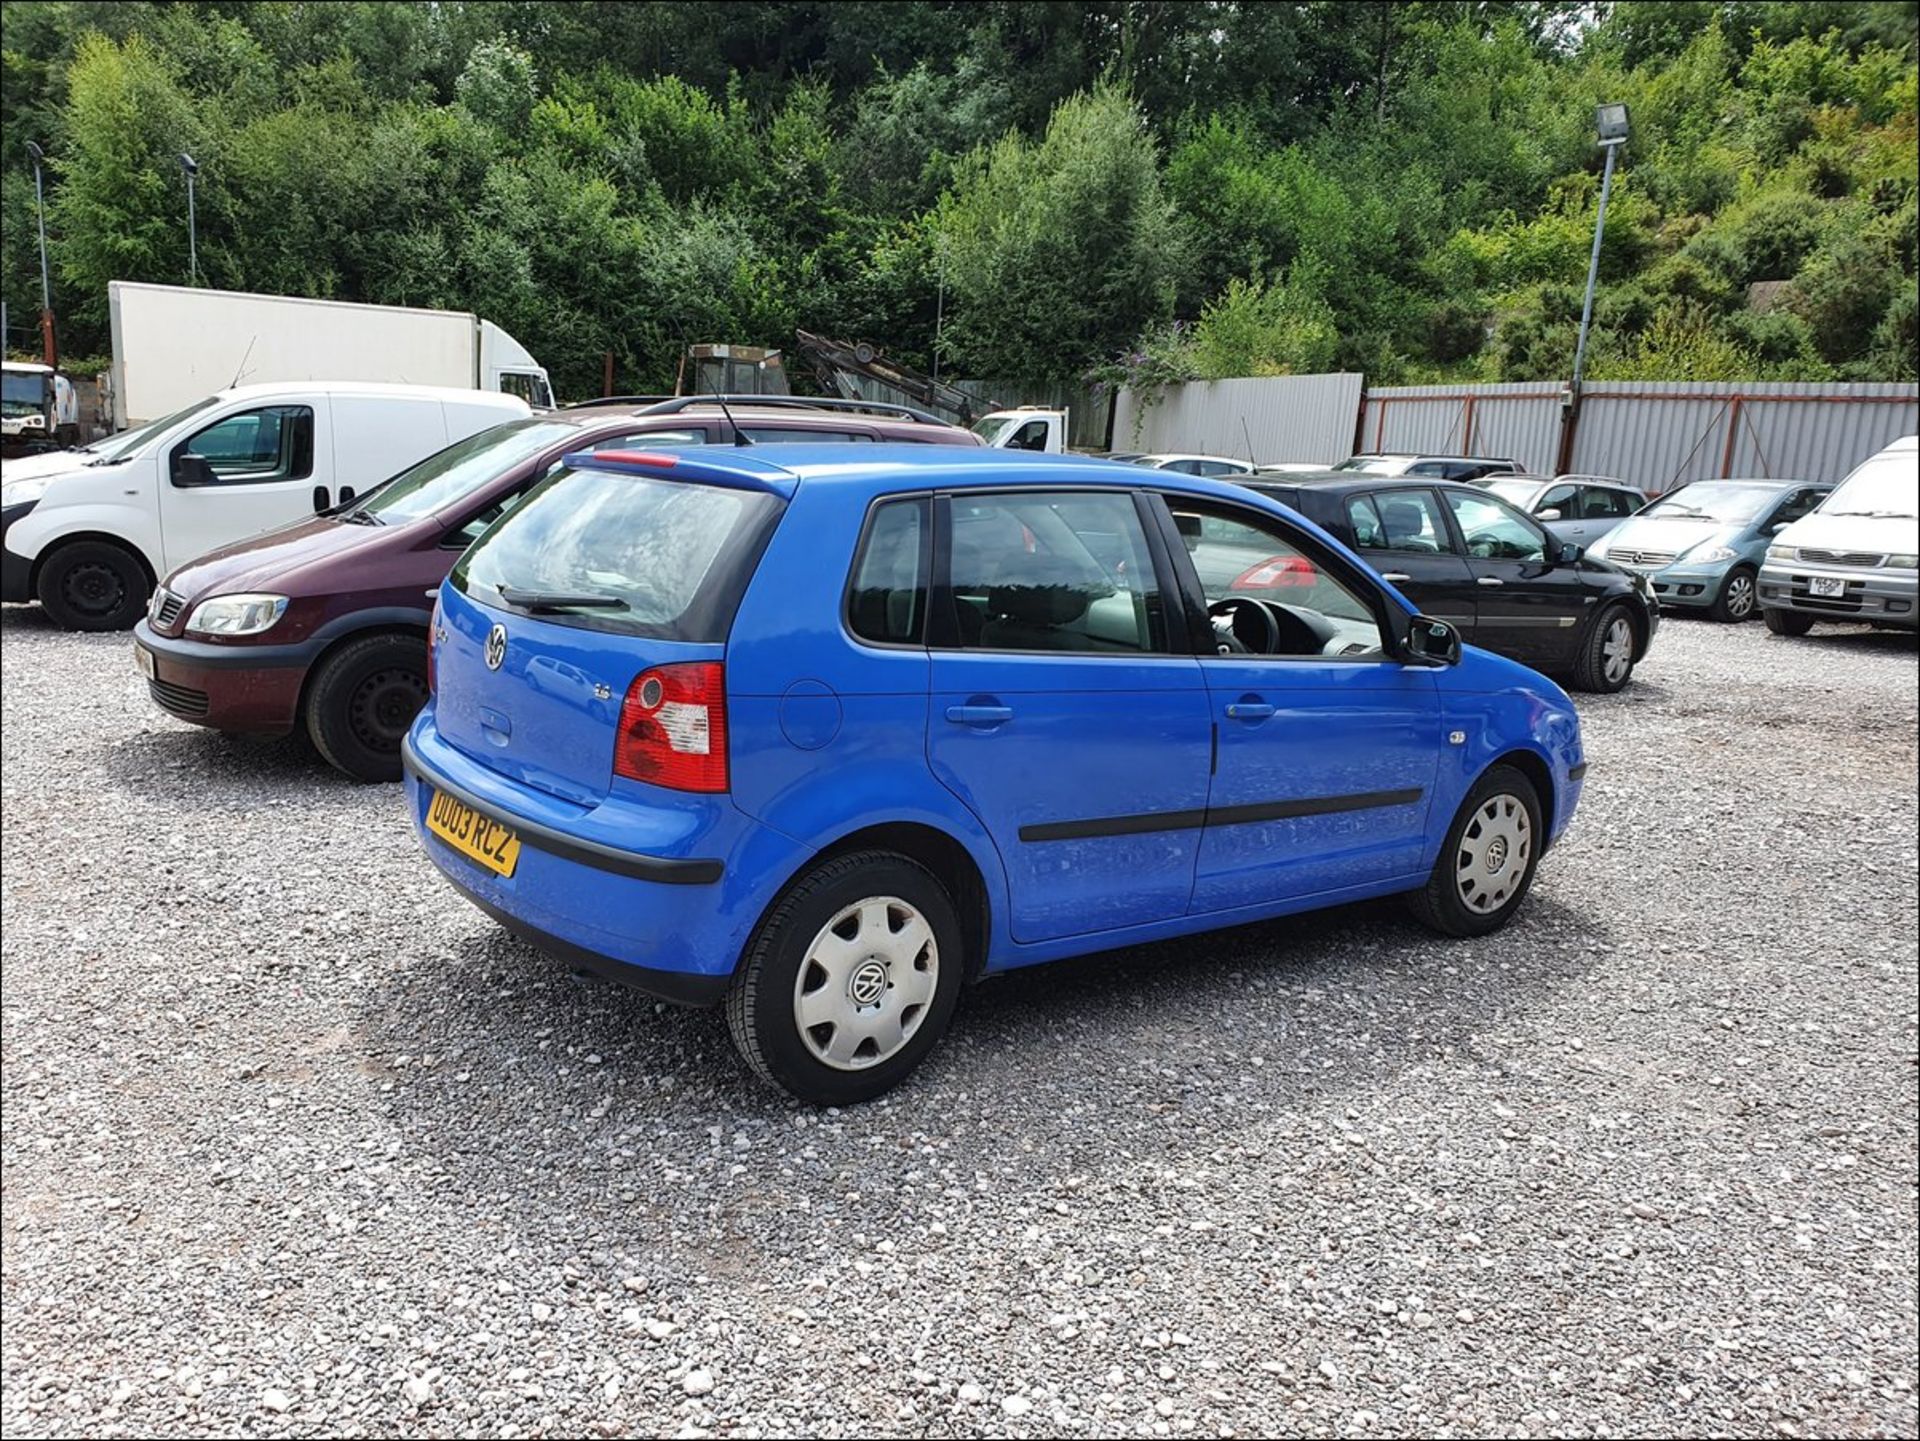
1276	573
673	727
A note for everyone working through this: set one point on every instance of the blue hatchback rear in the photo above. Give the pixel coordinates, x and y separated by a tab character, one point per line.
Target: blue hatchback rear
824	733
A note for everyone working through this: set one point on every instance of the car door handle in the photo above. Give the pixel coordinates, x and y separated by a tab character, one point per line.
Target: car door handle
1491	580
1395	577
979	715
1249	710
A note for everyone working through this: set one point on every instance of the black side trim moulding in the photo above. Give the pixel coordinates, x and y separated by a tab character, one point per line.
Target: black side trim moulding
681	988
1224	816
571	848
1578	772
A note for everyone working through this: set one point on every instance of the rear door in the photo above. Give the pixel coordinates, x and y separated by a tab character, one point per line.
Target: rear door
1529	605
1602	507
1063	714
248	471
1403	533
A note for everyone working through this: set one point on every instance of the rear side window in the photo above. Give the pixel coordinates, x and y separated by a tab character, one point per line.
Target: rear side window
887	601
630	554
1407	521
773	435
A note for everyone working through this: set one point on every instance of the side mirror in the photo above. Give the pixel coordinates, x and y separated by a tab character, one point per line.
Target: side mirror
1432	642
190	470
1553	514
1569	553
1778	526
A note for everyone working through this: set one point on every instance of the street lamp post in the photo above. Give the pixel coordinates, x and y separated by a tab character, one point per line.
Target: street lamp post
1611	121
51	352
193	245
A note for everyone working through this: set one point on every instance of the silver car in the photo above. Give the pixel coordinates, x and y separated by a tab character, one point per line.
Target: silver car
1576	508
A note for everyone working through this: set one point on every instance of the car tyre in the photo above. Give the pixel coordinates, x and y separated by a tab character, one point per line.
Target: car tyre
1788	622
1738	596
1606	659
361	701
1486	867
850	980
94	585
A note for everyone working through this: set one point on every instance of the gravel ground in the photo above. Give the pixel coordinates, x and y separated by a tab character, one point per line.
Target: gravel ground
296	1143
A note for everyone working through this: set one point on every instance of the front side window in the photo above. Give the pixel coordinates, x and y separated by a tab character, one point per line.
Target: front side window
1265	594
1495	531
529	386
1801	502
1560	498
1030	436
1054	571
251	447
1407	521
887	600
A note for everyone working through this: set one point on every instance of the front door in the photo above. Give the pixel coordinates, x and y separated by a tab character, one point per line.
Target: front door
1061	716
1327	745
1404	535
1530	604
249	471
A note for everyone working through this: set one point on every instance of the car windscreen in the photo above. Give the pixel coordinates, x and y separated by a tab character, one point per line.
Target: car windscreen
1371	464
1514	492
614	551
22	392
990	428
447	476
1728	504
1886	487
120	447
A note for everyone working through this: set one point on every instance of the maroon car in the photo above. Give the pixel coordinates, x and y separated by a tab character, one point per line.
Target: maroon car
323	624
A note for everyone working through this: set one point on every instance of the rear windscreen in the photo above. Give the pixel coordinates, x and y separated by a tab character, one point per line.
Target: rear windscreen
631	554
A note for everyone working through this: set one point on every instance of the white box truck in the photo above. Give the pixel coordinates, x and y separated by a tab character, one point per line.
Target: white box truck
172	345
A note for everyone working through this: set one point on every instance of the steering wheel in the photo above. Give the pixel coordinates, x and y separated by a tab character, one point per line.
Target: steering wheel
1229	619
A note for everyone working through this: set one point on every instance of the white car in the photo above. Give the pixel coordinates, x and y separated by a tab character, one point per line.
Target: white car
1857	557
1191	464
88	531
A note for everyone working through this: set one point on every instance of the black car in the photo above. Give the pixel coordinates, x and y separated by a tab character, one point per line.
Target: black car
1462	554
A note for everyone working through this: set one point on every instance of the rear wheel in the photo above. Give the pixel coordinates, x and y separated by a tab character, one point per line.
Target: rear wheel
1788	622
94	585
851	980
362	700
1738	596
1606	660
1486	867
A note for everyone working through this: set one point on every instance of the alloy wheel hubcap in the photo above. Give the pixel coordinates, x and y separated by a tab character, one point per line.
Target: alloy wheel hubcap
1739	597
866	983
1617	649
1494	851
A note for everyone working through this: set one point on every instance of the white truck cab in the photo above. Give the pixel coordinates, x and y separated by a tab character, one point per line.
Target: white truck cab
88	531
1030	427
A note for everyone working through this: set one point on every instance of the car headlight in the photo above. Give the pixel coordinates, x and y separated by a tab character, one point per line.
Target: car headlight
1903	562
1783	552
1712	555
236	614
19	492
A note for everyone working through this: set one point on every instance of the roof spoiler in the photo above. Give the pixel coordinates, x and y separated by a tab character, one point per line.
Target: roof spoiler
723	467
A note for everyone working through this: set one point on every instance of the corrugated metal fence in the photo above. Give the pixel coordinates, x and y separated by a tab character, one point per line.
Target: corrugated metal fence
1276	418
1657	434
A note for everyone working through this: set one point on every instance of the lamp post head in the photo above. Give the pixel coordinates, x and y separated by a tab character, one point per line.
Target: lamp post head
186	164
39	155
1611	122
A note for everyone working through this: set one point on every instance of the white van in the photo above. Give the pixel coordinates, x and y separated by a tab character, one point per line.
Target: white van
89	531
1856	558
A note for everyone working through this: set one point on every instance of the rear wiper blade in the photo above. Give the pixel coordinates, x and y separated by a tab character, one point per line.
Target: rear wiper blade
539	600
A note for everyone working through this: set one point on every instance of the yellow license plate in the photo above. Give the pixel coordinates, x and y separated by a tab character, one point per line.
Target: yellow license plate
472	834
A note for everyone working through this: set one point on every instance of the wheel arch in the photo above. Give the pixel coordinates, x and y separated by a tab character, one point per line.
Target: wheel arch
1535	768
373	626
99	537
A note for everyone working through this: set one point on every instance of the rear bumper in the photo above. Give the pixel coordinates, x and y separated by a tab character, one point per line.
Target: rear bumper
252	689
670	924
1884	597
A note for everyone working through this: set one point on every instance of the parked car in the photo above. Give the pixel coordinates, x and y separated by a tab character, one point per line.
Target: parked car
1701	546
1580	509
88	531
820	734
1856	557
1192	464
322	626
1441	467
1470	558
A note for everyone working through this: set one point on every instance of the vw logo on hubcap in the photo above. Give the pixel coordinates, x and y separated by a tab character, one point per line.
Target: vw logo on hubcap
867	984
496	647
1497	855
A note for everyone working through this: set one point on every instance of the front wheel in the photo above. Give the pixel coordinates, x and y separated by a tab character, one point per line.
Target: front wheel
94	585
1788	622
362	700
851	980
1486	867
1605	662
1737	596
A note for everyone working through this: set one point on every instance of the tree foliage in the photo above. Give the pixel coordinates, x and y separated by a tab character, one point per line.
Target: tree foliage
1021	189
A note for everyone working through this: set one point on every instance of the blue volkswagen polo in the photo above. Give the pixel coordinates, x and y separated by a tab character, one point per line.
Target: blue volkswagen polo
822	733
